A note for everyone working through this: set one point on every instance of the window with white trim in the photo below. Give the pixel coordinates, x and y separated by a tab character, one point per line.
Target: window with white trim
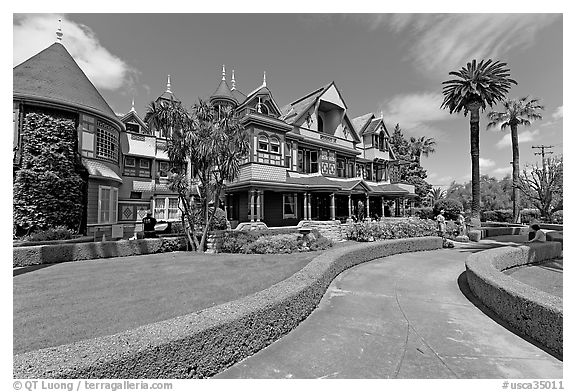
289	202
263	143
107	204
274	145
166	208
269	150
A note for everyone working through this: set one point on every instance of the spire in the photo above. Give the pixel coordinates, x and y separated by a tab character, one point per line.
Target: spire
59	33
233	81
264	80
133	110
223	72
168	90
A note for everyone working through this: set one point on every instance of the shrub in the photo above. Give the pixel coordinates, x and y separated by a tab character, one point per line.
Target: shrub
171	244
497	216
451	208
51	234
219	221
529	215
372	231
558	217
424	212
281	243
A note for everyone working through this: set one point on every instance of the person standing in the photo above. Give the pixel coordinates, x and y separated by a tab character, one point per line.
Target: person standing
149	222
441	222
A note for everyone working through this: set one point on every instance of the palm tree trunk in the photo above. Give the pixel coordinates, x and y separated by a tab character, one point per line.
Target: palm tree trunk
474	108
515	173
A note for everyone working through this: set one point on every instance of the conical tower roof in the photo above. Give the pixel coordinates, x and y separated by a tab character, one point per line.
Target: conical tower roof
223	91
53	76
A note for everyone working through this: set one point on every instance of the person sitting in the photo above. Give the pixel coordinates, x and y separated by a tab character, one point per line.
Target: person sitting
536	234
149	223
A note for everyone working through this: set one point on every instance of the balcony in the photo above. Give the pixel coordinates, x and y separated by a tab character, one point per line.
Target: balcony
326	139
373	153
260	172
138	144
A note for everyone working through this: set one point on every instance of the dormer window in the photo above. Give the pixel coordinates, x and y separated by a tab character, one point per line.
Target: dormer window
131	127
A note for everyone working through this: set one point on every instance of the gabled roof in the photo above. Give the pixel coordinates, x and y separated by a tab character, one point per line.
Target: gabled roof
293	111
361	122
261	90
372	127
240	96
54	76
133	115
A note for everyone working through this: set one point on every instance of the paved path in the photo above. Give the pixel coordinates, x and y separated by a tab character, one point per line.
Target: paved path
403	316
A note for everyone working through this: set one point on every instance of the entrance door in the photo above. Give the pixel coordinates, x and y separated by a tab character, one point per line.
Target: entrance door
320	206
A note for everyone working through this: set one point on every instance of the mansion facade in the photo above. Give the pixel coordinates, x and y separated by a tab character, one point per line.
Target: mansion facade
308	160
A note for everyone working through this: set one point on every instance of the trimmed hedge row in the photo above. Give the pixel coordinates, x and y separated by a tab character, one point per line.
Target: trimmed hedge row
202	344
393	229
48	254
533	312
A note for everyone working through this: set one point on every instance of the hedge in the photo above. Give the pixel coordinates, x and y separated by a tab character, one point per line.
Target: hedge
393	229
533	312
48	254
202	344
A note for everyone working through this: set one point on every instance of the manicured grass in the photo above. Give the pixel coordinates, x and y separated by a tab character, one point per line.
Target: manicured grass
61	303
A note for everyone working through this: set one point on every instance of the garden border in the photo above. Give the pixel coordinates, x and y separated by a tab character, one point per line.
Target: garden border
533	312
201	344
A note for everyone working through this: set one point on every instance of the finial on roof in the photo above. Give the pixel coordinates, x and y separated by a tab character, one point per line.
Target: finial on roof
233	81
168	90
59	33
133	110
223	72
264	80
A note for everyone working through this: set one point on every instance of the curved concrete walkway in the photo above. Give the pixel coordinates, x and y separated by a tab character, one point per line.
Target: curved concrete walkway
403	316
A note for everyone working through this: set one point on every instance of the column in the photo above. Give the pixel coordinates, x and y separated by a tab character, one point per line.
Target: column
309	207
332	207
304	206
367	206
350	206
252	205
258	207
226	206
383	205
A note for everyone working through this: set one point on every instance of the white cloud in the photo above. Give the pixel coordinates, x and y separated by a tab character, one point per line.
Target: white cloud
559	113
523	137
486	163
441	42
415	112
502	171
35	32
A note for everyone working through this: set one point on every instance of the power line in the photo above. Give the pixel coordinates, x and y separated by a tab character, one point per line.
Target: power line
543	152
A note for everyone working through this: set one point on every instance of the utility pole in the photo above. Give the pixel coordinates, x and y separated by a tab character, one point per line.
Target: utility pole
543	152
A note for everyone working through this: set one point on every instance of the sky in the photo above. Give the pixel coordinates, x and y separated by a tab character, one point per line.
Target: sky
390	64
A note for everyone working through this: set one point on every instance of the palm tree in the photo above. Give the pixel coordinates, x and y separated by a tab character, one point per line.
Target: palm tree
436	194
421	146
519	111
478	85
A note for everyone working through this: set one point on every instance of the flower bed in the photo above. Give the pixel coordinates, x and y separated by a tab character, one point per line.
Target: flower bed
270	241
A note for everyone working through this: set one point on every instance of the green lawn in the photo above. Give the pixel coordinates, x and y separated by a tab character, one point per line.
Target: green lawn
62	303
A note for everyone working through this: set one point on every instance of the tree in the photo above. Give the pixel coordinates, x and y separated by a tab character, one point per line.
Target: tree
519	111
421	188
478	85
220	145
172	119
399	143
421	146
436	194
543	187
